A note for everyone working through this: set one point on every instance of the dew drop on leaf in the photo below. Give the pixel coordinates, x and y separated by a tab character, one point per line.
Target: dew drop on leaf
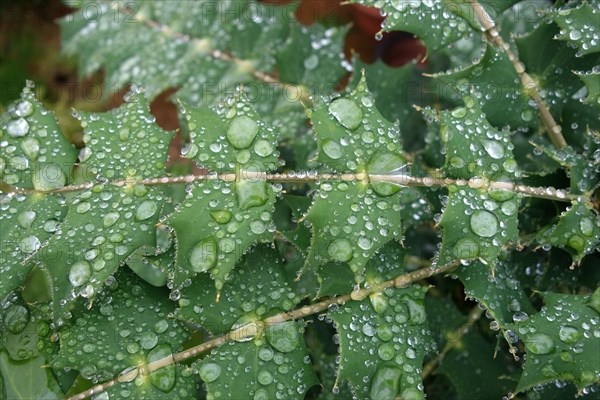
568	334
242	131
16	318
49	177
347	112
386	383
221	216
263	148
80	273
332	148
383	164
540	343
466	249
283	336
340	250
204	255
209	372
164	378
26	218
17	127
30	244
145	210
261	394
484	223
264	377
251	194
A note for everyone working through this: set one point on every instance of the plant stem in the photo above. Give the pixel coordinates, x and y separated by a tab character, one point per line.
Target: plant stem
531	87
250	330
474	315
312	177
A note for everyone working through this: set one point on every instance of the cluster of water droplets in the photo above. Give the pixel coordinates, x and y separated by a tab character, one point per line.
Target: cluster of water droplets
382	342
34	152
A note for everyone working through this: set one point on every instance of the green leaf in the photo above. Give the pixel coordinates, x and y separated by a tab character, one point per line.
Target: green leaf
28	222
472	363
495	83
239	213
108	222
25	332
476	222
35	154
27	380
352	220
577	231
128	325
560	343
259	288
592	82
273	360
579	26
382	343
207	49
274	365
550	64
437	23
501	293
582	168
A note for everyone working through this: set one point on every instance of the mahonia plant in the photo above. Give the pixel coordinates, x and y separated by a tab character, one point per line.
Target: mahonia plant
329	242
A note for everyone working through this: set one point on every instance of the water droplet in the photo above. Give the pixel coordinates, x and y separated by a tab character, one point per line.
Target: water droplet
384	164
164	378
221	216
26	218
459	112
347	112
311	62
30	244
24	108
204	255
261	394
386	351
466	249
209	372
283	336
540	343
31	147
242	131
575	34
257	227
340	250
110	219
265	353
263	148
494	148
509	207
379	302
251	193
83	207
16	318
386	383
145	210
577	243
80	273
587	226
500	194
148	340
264	377
568	334
49	177
17	127
368	329
484	223
332	148
365	243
